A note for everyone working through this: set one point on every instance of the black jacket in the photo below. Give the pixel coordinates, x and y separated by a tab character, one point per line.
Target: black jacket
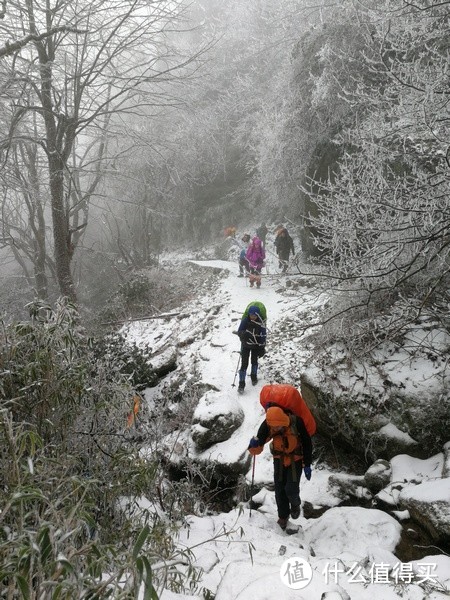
252	333
284	243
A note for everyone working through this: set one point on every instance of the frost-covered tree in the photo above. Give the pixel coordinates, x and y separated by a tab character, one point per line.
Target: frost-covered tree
382	217
212	146
69	72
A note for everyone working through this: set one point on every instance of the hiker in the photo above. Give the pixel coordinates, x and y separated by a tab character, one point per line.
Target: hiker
261	232
278	228
230	232
252	333
255	255
291	448
243	262
284	244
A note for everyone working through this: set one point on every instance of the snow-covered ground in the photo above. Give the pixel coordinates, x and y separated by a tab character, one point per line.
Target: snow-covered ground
243	555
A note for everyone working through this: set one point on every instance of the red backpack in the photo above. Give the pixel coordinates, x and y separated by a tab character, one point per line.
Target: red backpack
289	399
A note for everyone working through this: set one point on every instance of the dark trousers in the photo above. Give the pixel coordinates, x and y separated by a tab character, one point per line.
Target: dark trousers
245	355
287	486
283	259
243	265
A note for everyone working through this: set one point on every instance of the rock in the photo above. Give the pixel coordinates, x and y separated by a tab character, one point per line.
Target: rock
401	515
390	441
215	419
446	467
353	529
429	505
378	411
378	476
408	469
349	485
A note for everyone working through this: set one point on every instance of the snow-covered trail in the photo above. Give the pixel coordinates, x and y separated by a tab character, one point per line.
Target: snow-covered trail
342	539
219	368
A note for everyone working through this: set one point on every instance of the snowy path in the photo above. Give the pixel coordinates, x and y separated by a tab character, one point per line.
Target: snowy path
344	547
221	357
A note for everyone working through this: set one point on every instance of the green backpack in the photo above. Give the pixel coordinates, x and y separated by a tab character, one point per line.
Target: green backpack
262	310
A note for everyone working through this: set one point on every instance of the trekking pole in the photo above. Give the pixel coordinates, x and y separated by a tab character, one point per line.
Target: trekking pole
237	369
251	485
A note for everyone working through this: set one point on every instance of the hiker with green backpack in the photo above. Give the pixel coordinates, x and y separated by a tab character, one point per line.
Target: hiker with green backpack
252	333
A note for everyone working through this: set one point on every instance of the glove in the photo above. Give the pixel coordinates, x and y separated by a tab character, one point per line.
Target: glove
307	471
254	443
261	351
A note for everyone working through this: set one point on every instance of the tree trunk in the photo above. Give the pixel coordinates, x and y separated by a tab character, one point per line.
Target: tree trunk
61	235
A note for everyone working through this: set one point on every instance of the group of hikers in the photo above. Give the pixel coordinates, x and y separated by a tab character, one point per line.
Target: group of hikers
252	251
288	424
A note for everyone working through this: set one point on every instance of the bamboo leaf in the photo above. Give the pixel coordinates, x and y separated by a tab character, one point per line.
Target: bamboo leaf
23	585
140	541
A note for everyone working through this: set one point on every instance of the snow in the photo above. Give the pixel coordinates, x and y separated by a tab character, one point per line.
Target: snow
391	431
240	553
407	468
436	492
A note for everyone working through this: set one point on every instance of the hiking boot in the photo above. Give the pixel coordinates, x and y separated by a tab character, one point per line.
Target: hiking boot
241	387
282	523
295	511
254	379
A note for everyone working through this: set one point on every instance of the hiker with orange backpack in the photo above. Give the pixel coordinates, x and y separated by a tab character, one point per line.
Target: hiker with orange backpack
291	448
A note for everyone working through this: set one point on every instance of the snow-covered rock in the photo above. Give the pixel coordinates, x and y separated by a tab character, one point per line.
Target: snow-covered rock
446	467
378	475
215	419
352	531
349	485
390	441
429	504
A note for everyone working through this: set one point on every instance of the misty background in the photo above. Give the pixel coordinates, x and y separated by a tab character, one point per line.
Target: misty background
133	128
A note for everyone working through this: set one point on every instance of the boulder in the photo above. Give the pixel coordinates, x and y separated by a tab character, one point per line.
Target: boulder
379	409
429	505
349	485
215	419
389	441
377	476
446	467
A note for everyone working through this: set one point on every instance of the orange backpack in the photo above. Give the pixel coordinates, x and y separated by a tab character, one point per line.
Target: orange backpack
286	445
288	398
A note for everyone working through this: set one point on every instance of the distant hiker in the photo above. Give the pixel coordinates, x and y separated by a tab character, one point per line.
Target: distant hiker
291	448
284	244
230	232
278	228
252	333
261	232
243	262
255	255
